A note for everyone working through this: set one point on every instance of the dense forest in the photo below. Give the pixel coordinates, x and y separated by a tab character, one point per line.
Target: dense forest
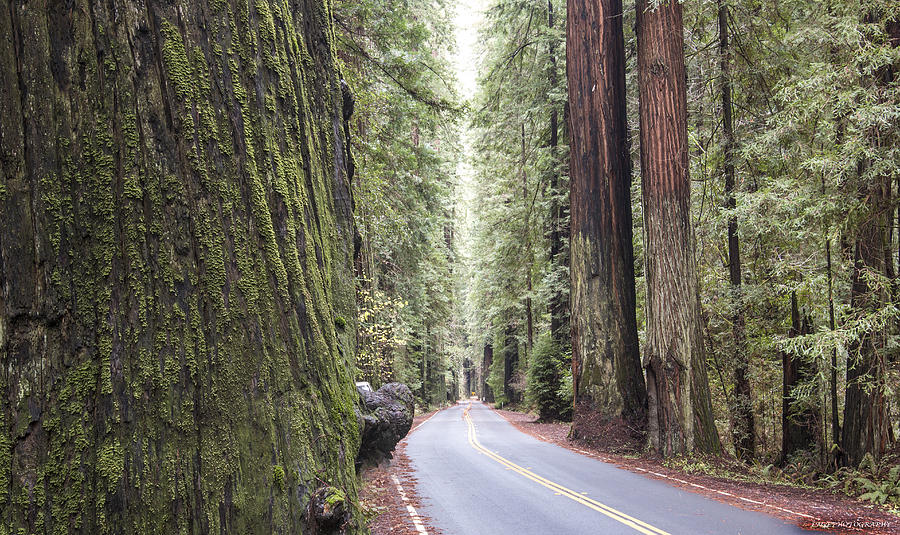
695	238
675	225
717	210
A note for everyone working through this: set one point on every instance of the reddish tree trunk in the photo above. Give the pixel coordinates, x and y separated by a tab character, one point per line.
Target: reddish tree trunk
867	425
866	420
486	363
680	411
605	354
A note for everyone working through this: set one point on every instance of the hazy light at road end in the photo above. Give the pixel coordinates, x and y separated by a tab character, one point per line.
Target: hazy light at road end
467	22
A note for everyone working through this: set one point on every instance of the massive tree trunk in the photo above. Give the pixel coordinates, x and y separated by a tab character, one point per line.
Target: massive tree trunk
176	289
680	411
800	419
743	427
606	365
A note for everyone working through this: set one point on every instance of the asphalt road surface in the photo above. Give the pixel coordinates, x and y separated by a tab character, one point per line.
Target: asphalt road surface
479	475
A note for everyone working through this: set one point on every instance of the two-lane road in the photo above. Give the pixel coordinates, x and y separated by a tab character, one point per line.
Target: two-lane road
478	475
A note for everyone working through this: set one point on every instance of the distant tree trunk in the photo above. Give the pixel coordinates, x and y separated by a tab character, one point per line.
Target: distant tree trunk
177	309
605	355
680	410
510	361
743	425
800	427
529	256
424	371
835	422
558	302
486	363
832	325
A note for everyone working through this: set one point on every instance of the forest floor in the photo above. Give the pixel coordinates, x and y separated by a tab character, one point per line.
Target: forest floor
816	508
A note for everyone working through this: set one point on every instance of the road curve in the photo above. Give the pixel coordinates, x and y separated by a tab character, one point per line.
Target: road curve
479	475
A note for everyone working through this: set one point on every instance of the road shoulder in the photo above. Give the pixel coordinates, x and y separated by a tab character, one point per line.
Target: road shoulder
381	501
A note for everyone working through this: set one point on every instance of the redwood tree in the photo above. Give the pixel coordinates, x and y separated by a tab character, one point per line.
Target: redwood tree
866	420
867	425
680	412
177	309
605	354
486	363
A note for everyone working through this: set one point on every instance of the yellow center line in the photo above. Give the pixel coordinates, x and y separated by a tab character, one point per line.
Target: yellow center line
619	516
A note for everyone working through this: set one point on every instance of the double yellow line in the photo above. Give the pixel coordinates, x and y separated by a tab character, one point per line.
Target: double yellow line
619	516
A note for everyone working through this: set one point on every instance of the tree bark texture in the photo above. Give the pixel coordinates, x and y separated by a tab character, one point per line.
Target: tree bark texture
605	355
176	290
867	425
680	411
743	426
800	422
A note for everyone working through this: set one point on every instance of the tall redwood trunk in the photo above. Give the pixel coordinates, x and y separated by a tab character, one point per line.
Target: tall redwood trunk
510	362
866	420
605	354
680	411
743	426
529	255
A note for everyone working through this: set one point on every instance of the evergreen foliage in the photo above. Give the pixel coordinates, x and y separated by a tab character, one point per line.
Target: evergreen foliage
549	386
396	60
519	179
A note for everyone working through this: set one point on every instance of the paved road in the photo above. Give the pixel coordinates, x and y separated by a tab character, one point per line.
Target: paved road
479	475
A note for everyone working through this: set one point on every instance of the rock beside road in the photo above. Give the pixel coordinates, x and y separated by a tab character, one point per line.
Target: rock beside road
385	418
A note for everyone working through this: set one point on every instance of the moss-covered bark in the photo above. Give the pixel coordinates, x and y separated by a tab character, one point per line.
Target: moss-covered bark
175	245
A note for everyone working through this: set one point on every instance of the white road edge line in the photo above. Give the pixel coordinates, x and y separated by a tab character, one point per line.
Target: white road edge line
723	493
417	520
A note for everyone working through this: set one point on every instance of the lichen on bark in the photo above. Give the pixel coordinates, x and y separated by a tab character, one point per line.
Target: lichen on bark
175	243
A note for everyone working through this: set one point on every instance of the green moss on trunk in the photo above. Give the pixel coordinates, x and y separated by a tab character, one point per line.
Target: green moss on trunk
175	246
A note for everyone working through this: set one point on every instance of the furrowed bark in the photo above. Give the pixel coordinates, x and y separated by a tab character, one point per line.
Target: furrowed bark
605	354
680	411
176	243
